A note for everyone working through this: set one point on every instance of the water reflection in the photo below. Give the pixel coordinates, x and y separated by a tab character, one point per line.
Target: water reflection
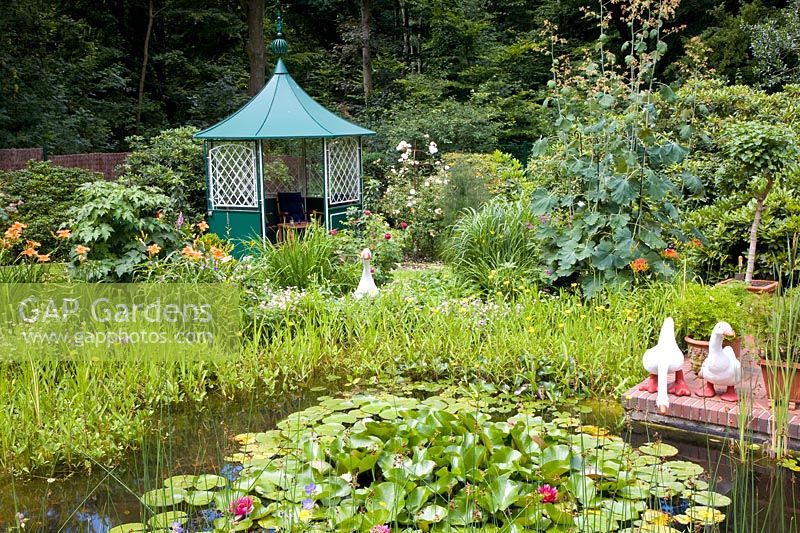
185	442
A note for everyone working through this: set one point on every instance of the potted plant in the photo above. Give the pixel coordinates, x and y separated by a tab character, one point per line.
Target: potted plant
780	359
698	310
757	286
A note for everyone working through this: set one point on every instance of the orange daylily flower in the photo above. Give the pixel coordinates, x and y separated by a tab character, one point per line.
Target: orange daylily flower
43	258
153	249
33	244
218	253
81	251
191	253
202	226
14	232
29	252
64	234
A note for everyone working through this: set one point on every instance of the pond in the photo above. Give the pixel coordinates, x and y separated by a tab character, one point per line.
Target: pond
195	441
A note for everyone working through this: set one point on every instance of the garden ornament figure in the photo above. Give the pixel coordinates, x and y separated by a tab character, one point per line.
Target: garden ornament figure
366	287
721	366
661	359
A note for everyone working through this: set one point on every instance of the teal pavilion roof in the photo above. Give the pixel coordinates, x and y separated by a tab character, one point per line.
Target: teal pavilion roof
282	110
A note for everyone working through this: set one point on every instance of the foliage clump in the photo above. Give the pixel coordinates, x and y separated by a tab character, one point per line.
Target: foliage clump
171	161
40	195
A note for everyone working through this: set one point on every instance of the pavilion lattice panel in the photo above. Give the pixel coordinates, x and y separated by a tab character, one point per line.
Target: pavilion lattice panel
343	170
233	176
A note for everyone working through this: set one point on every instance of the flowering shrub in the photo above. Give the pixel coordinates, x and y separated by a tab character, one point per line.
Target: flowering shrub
26	266
39	195
204	257
365	229
414	195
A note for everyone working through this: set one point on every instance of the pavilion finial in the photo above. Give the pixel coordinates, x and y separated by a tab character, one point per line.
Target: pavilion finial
279	45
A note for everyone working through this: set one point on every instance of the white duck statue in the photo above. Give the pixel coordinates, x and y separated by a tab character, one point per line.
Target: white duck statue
366	287
721	366
661	359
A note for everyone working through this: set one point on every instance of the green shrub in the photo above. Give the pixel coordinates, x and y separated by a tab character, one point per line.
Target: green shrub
699	307
301	260
116	223
40	196
725	227
173	162
495	248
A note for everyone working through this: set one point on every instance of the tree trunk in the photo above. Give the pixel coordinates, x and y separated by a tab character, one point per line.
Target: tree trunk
751	252
366	53
151	15
406	38
256	50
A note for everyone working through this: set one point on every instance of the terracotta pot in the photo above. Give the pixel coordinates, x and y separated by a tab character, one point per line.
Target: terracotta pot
774	373
758	286
698	350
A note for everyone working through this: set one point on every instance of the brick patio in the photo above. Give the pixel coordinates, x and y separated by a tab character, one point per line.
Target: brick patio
713	416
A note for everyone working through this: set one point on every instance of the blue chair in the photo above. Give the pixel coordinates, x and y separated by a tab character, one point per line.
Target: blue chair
291	207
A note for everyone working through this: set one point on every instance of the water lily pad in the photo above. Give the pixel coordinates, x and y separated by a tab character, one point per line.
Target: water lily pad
658	449
180	482
684	469
199	498
329	429
163	497
703	515
165	520
340	418
432	514
209	481
710	499
132	527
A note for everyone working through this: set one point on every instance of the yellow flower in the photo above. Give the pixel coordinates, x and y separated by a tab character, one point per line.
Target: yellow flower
530	329
305	515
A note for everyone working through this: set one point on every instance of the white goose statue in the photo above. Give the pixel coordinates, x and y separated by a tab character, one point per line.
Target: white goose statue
366	287
721	366
661	359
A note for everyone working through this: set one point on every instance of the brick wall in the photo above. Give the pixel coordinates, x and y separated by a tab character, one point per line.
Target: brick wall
106	163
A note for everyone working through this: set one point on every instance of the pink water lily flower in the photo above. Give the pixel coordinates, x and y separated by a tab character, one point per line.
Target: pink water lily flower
242	507
380	529
548	493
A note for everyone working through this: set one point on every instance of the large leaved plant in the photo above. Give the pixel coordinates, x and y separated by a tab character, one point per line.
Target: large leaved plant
114	224
612	199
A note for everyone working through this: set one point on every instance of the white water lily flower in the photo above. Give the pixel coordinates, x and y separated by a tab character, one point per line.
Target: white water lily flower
432	148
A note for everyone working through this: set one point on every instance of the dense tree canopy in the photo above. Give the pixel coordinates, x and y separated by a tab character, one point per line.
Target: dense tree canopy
84	75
